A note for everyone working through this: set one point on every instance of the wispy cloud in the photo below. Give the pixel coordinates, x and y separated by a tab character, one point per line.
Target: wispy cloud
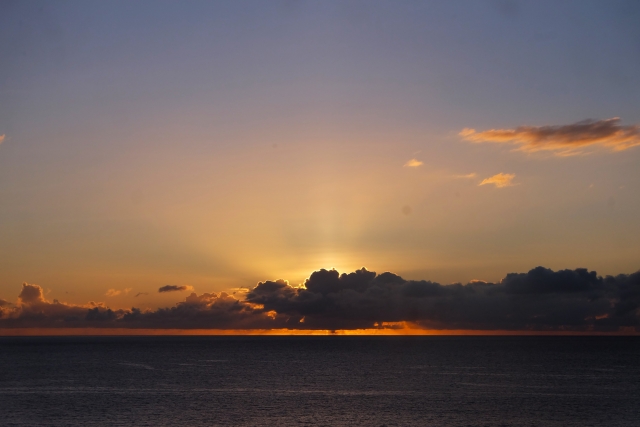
500	180
174	288
141	293
116	292
413	163
2	138
565	140
467	176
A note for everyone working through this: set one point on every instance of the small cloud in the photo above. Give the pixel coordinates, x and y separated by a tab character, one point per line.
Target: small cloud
141	293
2	138
467	132
413	163
564	140
500	180
467	176
116	292
4	303
174	288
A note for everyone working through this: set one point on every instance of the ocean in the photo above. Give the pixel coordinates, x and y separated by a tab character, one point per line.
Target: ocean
320	381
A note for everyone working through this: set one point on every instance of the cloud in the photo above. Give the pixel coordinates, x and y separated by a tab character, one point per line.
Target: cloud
4	303
174	288
141	293
30	294
413	163
2	138
467	176
500	180
539	300
564	140
33	310
115	292
112	293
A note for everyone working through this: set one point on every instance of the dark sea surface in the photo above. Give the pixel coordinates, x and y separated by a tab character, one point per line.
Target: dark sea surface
333	381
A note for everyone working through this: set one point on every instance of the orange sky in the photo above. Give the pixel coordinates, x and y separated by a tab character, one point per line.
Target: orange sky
211	147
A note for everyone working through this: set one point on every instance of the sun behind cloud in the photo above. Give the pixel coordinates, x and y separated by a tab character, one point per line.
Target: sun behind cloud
361	300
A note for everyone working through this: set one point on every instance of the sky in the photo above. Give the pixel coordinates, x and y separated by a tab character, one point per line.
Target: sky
206	147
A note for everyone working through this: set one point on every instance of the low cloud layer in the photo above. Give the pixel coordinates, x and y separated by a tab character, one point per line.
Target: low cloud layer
174	288
540	300
500	180
565	140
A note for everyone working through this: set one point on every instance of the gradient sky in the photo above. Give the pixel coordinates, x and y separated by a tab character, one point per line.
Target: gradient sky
218	144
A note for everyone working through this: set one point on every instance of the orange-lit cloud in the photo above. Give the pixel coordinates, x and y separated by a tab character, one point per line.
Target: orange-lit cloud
565	140
2	138
413	163
174	288
467	176
500	180
116	292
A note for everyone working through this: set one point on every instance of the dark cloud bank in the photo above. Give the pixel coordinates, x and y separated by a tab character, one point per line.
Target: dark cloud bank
540	300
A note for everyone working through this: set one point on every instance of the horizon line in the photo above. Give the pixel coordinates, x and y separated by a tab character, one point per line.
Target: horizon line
116	332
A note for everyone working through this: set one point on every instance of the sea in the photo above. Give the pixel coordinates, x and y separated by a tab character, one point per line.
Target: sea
320	381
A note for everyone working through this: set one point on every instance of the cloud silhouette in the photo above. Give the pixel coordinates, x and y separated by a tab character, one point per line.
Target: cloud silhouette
565	140
539	300
500	180
174	288
413	163
30	294
33	310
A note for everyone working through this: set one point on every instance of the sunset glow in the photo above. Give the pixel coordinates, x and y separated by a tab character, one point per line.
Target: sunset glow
431	167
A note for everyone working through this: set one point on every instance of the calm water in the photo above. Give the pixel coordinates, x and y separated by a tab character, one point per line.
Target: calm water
336	381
